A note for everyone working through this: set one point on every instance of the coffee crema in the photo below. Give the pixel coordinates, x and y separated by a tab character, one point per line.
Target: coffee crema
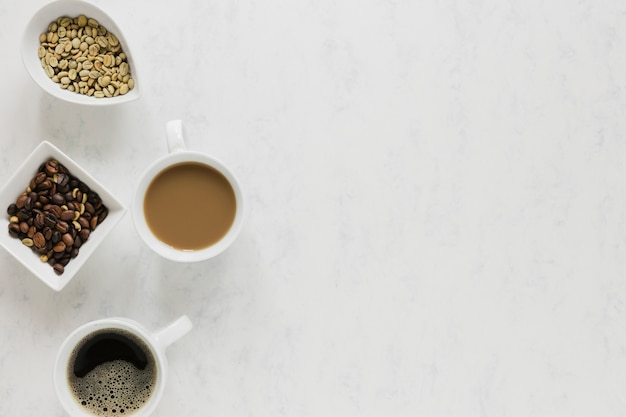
112	372
190	206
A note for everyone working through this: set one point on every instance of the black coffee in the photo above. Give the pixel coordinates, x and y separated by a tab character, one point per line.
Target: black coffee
112	372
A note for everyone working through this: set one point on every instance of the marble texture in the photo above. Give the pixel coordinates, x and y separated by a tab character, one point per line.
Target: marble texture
436	221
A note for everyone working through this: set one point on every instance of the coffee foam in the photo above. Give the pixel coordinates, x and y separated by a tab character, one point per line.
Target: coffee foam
114	388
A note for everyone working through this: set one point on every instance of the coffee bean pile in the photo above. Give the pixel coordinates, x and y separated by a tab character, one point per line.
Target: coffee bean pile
82	56
55	215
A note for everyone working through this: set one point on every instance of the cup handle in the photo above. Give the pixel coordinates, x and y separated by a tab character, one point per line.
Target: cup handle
172	332
174	136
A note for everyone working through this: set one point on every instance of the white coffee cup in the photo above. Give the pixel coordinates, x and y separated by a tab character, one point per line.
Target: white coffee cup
178	154
157	342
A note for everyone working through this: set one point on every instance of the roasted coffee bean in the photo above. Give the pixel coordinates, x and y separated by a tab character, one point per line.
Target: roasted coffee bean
52	167
47	232
40	177
14	229
67	215
83	187
20	201
103	215
74	253
24	227
58	268
57	199
50	220
56	210
63	179
93	223
93	198
12	209
78	242
56	236
23	214
29	203
62	226
59	247
84	234
89	208
67	239
31	231
39	240
45	185
63	188
40	220
84	223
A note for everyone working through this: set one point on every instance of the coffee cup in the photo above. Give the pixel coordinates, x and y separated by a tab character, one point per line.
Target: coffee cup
114	367
188	206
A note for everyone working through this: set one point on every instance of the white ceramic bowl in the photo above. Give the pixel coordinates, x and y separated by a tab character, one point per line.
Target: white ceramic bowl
39	24
17	185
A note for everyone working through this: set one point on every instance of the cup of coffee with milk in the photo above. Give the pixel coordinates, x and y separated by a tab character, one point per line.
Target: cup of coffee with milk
188	206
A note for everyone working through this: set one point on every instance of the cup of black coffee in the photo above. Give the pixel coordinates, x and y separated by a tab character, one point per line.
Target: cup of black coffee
114	367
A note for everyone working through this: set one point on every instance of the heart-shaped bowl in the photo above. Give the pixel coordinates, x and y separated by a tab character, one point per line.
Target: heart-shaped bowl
38	25
18	184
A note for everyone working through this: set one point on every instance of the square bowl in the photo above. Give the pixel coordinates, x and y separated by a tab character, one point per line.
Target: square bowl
18	183
39	24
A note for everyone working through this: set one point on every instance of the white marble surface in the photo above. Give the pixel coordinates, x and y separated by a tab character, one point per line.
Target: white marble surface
436	218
